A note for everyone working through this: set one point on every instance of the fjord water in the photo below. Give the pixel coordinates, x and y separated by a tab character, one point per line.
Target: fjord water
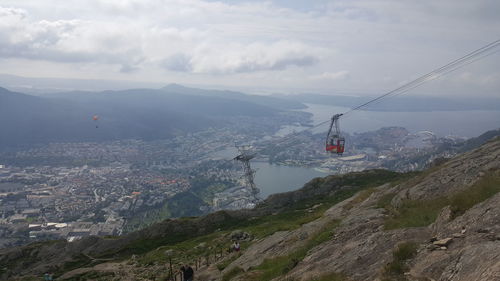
464	123
272	179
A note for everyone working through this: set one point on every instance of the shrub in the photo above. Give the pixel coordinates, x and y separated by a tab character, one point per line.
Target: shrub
396	268
232	273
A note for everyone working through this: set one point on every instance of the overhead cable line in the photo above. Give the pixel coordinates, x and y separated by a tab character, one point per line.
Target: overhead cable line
437	73
467	59
337	142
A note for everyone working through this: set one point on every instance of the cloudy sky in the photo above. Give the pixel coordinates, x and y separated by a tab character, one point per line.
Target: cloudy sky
289	46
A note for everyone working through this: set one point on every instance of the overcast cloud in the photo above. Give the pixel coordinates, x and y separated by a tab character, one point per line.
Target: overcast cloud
346	46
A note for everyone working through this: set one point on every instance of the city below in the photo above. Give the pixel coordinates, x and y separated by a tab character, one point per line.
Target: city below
72	190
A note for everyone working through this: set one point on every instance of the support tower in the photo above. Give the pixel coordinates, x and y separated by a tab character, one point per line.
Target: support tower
244	157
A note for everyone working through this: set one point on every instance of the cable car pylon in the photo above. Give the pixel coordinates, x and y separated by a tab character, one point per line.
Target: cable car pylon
335	142
244	157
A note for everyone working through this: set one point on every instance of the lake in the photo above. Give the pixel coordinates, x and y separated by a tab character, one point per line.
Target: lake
272	179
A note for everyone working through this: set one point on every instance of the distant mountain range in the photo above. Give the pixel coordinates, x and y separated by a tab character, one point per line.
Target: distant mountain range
168	111
135	113
401	103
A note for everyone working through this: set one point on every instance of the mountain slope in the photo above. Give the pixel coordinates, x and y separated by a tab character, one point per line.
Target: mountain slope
139	113
376	223
391	229
268	101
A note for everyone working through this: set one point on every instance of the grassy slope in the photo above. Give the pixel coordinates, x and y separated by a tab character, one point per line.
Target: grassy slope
275	215
415	213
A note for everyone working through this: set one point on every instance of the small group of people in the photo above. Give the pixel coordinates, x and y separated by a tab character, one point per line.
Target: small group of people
48	276
187	273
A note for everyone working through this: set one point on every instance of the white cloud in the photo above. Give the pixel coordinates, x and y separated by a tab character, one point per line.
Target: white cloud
238	43
130	45
339	75
238	58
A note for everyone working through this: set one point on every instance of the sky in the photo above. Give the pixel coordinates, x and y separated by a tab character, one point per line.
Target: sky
356	47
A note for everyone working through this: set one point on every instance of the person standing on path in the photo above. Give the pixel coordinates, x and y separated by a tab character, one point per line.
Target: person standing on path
187	272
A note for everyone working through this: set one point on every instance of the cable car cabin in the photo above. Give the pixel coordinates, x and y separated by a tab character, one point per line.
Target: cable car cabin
335	145
334	140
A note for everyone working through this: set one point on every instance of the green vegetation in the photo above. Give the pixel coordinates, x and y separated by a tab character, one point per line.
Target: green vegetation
223	264
182	204
206	188
362	196
77	262
320	192
385	200
232	273
272	268
416	213
188	251
396	268
184	238
147	217
488	186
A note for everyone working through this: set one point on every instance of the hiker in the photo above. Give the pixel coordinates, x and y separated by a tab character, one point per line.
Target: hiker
236	246
187	272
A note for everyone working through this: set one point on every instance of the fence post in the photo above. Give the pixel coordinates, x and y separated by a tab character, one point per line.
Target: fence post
171	269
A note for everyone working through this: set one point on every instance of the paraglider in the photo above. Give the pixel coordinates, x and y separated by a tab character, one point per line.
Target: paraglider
96	118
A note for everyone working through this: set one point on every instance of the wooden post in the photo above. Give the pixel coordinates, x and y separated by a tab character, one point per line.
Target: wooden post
171	270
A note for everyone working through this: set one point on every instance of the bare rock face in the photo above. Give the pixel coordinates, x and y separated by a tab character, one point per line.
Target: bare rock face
456	175
443	242
279	244
475	255
443	218
360	259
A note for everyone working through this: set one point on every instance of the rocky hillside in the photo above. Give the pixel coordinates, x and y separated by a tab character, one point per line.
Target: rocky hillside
440	224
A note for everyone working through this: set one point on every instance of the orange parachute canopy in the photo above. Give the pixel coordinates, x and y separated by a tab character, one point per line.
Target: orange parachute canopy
95	117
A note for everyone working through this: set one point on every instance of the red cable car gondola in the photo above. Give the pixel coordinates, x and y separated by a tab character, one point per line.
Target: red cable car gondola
334	140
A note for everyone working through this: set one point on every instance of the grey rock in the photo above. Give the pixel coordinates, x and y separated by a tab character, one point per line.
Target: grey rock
443	242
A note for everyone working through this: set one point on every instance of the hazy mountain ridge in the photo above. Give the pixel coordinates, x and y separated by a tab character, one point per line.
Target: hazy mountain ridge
401	103
357	237
136	113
